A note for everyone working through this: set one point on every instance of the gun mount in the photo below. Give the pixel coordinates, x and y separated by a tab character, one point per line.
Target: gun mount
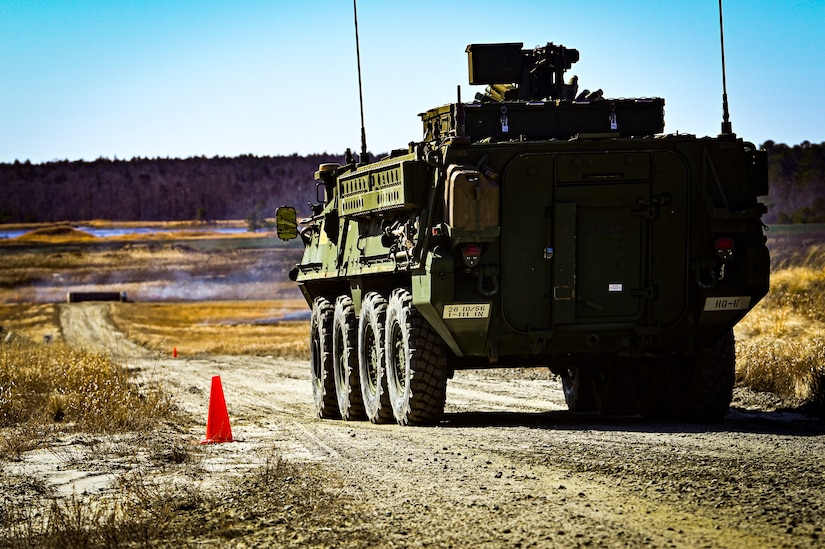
516	74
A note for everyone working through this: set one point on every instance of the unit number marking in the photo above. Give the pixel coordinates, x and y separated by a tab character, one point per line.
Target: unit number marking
727	303
472	310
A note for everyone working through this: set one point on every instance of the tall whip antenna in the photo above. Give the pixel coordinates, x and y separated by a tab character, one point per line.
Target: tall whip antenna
364	158
727	128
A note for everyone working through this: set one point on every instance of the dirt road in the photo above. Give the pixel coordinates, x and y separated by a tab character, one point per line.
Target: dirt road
509	466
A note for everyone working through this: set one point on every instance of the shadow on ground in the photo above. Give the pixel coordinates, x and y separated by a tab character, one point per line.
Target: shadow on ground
780	422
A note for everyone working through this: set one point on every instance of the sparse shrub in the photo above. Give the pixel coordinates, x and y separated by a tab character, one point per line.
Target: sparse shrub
791	369
77	388
781	344
15	443
139	514
278	501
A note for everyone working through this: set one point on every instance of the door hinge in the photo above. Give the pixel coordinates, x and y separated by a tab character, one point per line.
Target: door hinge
650	210
645	210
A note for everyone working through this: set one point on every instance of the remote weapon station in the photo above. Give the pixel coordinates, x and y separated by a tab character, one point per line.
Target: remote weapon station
534	226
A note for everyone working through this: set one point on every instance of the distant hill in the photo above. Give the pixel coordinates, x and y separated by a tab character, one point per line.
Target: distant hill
203	188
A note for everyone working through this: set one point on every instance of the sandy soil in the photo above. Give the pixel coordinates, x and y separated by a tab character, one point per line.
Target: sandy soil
508	467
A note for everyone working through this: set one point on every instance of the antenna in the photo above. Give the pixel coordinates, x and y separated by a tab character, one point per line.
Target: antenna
363	158
727	128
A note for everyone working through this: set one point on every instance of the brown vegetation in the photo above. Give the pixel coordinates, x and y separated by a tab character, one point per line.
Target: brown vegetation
46	384
217	327
59	398
56	233
781	345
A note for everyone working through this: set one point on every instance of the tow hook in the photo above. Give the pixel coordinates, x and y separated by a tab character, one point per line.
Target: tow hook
706	276
483	274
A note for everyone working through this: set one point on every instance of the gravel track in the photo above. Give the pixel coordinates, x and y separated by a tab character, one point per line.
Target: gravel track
509	466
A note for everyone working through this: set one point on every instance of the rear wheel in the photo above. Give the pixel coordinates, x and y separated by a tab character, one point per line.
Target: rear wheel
416	364
698	387
371	364
320	358
713	377
345	359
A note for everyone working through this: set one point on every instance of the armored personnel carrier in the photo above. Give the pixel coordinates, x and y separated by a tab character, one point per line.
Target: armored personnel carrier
537	225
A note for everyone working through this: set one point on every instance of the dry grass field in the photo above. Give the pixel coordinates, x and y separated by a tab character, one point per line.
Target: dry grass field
48	384
217	327
200	292
42	265
781	343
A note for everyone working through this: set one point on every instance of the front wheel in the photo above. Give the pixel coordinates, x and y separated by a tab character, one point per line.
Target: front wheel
320	358
416	364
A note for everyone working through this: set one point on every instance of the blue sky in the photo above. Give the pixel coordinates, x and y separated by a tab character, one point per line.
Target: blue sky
118	78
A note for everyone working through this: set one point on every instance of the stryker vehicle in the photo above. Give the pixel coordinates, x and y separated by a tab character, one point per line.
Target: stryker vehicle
534	226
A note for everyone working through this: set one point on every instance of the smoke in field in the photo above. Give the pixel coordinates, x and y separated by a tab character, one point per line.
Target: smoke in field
162	275
287	317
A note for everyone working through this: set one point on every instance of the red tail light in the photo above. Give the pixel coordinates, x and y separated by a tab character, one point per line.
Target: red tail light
724	247
470	254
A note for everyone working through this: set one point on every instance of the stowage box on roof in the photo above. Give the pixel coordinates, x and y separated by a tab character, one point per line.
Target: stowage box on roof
545	119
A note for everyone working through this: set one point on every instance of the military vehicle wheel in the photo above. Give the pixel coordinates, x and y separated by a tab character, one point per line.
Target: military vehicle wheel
345	359
371	366
416	364
578	390
320	353
714	374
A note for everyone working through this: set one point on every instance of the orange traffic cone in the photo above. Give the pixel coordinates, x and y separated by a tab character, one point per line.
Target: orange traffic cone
217	422
174	352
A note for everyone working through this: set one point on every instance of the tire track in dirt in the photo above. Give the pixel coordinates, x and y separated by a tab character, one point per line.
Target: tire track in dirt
89	325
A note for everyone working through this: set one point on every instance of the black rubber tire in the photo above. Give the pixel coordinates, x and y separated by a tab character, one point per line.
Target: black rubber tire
320	359
345	359
416	362
713	378
578	390
371	365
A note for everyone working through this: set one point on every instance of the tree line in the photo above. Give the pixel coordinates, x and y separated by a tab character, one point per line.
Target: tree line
160	189
251	187
797	183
